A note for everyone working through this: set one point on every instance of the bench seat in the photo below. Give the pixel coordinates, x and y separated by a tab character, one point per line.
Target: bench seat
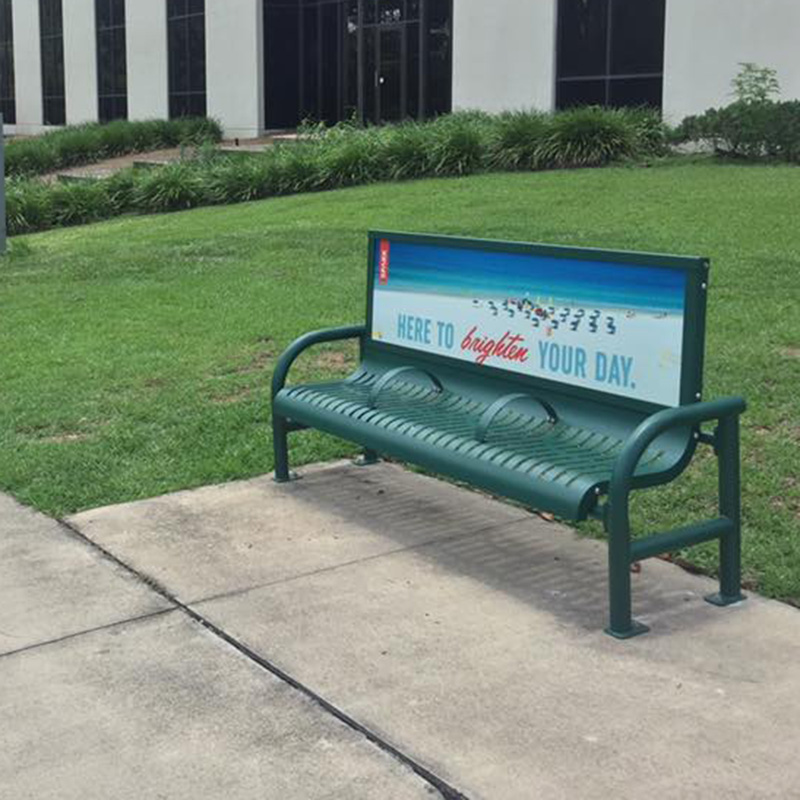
561	467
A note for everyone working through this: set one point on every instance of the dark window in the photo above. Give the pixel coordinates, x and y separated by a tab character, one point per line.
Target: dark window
186	34
281	64
8	106
413	71
582	37
638	36
112	78
635	92
439	56
51	33
380	60
610	52
581	93
330	23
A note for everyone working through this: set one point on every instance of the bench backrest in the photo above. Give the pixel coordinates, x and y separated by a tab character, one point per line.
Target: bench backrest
625	328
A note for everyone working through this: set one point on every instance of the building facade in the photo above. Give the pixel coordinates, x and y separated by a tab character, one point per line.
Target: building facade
258	65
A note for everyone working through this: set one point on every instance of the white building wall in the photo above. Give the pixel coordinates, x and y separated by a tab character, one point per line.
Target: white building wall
80	61
27	67
504	54
235	65
707	39
146	44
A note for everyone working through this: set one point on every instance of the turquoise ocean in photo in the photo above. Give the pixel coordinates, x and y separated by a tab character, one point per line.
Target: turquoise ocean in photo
563	281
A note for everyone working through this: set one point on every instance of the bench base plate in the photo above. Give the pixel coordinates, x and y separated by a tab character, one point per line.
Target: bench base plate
718	599
635	629
366	459
293	476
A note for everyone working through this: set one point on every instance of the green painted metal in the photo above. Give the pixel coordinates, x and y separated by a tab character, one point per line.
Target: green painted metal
289	356
677	539
281	426
367	458
727	411
555	467
471	422
488	416
730	547
393	375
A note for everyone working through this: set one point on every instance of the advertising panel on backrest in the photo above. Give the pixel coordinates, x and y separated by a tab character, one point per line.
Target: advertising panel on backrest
575	317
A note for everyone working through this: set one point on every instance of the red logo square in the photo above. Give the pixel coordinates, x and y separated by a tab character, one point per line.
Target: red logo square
383	263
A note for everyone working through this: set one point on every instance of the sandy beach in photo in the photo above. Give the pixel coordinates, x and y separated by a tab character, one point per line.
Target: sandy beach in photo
596	347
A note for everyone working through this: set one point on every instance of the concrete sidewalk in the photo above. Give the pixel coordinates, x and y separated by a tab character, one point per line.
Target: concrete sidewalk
110	691
403	622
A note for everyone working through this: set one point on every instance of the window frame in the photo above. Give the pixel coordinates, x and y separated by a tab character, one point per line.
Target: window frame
332	81
51	45
8	95
609	78
114	32
186	102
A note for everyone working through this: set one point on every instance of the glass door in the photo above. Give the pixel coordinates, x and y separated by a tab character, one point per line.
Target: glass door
390	74
375	60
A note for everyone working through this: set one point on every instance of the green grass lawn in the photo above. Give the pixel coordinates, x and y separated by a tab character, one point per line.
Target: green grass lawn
135	355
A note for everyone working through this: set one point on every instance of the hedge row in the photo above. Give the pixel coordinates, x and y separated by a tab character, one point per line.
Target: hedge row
752	130
457	144
86	144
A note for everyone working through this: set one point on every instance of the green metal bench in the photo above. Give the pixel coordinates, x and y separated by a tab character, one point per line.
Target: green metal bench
560	377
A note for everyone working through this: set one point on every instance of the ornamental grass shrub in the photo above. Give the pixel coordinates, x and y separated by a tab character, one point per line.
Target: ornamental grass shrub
517	140
28	206
588	137
344	155
174	187
296	168
405	151
458	144
119	190
77	203
240	180
92	142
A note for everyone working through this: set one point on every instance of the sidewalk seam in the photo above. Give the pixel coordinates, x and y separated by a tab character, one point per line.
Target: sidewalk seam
108	626
343	564
447	791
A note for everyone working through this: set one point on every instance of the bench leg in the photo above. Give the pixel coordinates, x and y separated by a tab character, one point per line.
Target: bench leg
367	458
281	449
730	546
621	624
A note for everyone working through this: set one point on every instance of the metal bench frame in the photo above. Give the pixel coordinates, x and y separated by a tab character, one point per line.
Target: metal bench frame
623	550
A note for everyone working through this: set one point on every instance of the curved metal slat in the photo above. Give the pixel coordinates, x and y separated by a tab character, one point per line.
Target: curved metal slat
443	419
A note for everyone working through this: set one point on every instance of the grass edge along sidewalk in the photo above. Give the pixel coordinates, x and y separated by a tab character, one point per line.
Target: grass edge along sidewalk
136	354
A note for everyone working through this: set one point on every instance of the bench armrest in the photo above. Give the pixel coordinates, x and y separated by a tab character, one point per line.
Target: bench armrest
289	355
651	428
726	527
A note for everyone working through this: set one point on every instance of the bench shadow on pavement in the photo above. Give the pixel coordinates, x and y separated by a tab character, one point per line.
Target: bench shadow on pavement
542	564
